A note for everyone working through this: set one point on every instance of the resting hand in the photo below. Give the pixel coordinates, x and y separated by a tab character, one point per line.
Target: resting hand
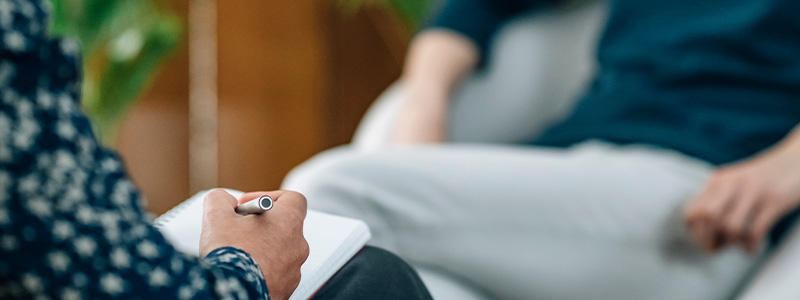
438	60
273	239
743	201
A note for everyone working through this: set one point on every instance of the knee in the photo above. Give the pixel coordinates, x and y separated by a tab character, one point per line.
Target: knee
333	181
372	261
320	171
382	275
356	185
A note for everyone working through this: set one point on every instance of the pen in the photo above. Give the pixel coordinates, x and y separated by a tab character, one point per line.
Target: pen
255	206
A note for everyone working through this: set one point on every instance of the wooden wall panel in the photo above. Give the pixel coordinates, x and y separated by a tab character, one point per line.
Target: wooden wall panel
368	49
294	79
154	142
271	88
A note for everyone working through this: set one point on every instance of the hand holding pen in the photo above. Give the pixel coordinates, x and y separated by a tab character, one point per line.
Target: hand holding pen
274	240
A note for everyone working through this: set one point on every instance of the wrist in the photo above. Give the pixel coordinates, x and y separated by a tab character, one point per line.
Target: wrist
424	86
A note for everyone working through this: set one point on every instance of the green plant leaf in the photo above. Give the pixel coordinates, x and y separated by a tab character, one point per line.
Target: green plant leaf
125	80
411	12
123	43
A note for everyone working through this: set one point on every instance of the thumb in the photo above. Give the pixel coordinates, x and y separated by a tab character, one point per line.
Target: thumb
219	202
218	211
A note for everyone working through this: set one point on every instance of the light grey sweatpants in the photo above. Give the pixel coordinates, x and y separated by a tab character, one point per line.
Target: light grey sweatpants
595	221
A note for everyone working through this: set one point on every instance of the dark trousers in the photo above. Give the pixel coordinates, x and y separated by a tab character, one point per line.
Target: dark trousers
374	273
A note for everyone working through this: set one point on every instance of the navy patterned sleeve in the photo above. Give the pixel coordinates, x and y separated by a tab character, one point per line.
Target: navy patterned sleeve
72	225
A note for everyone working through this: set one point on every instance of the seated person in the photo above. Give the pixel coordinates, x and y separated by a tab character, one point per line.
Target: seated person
684	142
72	225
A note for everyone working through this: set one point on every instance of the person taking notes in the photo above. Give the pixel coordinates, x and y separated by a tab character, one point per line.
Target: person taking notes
73	226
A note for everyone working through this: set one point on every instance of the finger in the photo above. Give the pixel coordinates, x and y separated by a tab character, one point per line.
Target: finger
250	196
292	200
762	223
253	195
748	242
705	235
718	207
717	241
711	202
719	202
289	200
691	213
218	201
743	209
712	205
696	230
695	218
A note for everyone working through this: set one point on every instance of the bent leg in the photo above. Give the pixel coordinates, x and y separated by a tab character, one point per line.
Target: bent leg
374	273
595	221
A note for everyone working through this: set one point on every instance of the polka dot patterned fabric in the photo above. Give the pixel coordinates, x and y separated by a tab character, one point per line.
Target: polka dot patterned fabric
72	225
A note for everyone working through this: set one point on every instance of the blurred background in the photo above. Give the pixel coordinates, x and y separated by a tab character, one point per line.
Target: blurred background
198	94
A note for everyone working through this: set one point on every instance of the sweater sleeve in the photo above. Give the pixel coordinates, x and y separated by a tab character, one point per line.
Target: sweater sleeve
479	20
72	225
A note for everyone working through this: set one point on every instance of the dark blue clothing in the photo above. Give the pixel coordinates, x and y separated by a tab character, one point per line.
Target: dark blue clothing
714	79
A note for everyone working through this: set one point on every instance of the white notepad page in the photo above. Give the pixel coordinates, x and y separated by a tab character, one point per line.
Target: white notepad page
332	240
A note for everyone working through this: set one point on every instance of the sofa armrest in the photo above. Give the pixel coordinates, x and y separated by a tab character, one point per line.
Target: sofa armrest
539	65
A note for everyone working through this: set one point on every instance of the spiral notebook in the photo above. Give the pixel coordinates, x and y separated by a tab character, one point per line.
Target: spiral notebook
332	240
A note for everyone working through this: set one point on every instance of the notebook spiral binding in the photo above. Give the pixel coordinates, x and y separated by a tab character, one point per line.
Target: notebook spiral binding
170	214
